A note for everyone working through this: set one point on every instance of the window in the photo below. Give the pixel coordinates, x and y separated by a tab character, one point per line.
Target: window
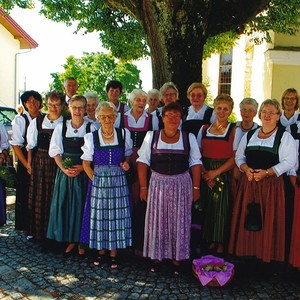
225	73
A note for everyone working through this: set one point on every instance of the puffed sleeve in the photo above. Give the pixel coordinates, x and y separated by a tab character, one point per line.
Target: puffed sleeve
3	138
88	147
56	143
144	152
287	154
195	155
32	134
240	157
18	131
128	143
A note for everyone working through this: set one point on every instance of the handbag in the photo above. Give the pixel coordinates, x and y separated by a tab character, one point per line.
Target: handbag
253	220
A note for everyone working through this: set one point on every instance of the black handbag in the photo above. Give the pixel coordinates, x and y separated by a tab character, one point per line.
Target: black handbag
253	220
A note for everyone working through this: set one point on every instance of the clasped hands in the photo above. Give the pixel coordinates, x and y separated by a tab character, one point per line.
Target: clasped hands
255	174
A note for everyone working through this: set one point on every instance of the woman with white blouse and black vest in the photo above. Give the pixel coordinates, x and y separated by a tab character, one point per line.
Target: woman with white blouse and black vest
32	102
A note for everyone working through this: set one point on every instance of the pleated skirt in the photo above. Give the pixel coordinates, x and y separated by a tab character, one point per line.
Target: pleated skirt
168	217
269	242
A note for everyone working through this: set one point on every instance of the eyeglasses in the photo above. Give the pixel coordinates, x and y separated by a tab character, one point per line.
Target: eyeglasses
290	98
273	113
104	117
169	95
172	116
78	107
245	110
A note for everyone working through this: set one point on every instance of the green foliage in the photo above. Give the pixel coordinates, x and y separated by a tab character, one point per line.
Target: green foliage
281	17
94	70
221	43
7	5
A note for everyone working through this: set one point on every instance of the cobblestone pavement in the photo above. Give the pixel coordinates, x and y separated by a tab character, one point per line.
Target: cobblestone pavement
28	273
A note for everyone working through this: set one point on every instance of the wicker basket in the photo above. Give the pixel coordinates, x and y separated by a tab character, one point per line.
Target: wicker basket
214	282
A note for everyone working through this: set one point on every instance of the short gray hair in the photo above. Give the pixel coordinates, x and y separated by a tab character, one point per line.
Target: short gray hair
135	93
168	85
105	105
91	95
251	101
154	92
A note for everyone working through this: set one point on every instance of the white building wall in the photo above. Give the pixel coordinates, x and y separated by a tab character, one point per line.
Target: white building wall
8	50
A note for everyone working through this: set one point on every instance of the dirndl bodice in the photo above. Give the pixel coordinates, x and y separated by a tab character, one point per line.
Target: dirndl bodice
162	160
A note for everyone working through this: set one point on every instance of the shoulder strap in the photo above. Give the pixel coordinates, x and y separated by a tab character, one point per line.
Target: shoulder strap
249	135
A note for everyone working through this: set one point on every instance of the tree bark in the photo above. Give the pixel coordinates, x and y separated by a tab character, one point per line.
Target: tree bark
177	30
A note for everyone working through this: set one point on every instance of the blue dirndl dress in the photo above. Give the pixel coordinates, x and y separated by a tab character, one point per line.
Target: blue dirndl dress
107	220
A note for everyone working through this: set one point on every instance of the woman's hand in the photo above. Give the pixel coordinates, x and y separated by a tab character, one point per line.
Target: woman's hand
74	171
250	174
125	166
196	195
210	175
259	174
143	193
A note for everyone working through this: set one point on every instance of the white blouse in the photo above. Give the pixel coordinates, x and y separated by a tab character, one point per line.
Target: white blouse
287	151
144	152
199	115
56	143
239	133
140	122
94	122
32	131
285	122
18	129
88	147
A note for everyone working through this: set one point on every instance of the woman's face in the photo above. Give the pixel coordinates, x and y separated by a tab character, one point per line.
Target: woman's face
248	112
77	109
32	105
91	107
107	118
269	115
223	111
54	107
289	101
171	119
153	101
139	103
197	98
169	96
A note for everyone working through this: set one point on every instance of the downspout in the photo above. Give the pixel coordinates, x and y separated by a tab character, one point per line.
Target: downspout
15	83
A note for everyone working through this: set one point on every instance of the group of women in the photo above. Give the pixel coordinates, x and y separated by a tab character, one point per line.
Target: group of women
131	180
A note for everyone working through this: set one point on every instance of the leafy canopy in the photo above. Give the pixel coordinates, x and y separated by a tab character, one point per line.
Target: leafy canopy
94	70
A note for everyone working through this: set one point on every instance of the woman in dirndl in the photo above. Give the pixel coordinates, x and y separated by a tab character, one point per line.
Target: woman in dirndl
70	185
218	144
107	220
41	166
171	190
258	219
4	160
294	256
32	102
138	122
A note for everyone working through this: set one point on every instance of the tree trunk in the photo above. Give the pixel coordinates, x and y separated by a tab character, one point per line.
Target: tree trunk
176	37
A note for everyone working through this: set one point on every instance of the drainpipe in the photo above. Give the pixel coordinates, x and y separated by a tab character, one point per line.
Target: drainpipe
16	81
